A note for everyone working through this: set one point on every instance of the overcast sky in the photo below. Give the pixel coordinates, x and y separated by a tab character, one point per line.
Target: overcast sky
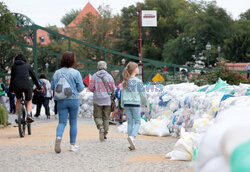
44	12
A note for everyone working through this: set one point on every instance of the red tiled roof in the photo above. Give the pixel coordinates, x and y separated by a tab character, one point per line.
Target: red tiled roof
45	35
237	66
87	9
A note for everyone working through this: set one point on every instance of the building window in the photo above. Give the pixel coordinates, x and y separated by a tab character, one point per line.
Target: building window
41	38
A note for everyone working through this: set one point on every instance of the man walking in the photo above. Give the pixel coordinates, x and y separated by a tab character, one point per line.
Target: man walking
101	99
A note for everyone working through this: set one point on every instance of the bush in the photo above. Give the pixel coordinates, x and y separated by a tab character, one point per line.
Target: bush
3	116
212	76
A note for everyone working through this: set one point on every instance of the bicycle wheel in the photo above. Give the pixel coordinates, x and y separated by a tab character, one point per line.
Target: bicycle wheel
21	121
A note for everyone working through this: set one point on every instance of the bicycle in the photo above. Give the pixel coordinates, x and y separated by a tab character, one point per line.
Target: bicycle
22	118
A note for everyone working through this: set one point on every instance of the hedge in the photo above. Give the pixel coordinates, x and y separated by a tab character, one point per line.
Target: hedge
3	116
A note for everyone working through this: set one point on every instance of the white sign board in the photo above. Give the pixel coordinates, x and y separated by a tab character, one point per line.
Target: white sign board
149	18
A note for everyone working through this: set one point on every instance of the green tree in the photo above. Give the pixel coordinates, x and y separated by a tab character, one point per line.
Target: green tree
201	22
98	30
7	20
54	37
70	16
245	15
7	26
127	37
236	48
44	57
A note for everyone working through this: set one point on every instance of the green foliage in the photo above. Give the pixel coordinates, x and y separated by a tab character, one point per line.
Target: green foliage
3	116
54	37
245	15
97	30
44	57
7	20
8	52
70	16
236	48
201	23
127	38
212	76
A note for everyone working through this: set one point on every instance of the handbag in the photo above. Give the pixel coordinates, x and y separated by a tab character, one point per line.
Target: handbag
37	99
112	96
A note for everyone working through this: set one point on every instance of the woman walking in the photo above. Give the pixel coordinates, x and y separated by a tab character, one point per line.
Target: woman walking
68	105
133	96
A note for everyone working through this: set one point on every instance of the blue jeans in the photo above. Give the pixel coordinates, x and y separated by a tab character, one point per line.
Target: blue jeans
67	107
134	120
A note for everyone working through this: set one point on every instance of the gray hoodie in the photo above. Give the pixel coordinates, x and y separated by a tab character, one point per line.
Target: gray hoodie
101	97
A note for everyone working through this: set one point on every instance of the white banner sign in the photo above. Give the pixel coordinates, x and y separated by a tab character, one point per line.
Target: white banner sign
149	18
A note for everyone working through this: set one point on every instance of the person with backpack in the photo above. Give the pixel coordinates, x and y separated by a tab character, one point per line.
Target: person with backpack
132	98
45	95
67	83
102	84
20	83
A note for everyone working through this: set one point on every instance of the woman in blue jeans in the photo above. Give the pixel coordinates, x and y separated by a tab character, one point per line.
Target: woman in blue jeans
69	105
133	96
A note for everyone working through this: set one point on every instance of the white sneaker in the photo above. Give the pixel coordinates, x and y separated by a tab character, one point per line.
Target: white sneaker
131	142
74	148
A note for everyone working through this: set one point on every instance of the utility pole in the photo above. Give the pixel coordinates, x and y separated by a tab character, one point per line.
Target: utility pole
141	67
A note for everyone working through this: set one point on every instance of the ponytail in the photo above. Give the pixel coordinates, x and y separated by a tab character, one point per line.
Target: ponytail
131	66
126	76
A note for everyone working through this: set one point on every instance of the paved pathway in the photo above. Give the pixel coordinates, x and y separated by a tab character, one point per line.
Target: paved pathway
36	152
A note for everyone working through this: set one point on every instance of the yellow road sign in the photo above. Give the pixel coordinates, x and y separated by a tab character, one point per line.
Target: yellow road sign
158	78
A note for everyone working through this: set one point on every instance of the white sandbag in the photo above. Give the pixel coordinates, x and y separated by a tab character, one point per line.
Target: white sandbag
183	149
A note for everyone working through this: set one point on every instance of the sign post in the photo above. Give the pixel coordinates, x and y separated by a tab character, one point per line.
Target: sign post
147	18
141	67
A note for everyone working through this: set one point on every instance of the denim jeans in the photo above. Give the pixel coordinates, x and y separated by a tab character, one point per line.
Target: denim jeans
67	107
134	120
12	104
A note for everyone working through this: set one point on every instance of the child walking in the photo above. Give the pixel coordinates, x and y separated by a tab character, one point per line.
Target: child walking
132	98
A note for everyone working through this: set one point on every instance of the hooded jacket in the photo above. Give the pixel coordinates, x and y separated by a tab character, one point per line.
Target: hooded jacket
134	94
101	97
20	73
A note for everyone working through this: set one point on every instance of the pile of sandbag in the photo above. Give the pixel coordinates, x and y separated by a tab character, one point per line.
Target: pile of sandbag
225	145
86	104
186	109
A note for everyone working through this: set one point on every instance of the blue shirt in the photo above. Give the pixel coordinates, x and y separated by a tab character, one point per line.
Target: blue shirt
248	67
74	79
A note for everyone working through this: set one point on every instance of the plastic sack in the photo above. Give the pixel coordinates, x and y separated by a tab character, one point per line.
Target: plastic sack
184	147
155	127
220	83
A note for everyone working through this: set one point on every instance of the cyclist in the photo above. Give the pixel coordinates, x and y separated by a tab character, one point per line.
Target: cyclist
20	83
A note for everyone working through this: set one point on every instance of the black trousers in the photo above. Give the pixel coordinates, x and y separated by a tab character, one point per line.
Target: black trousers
45	103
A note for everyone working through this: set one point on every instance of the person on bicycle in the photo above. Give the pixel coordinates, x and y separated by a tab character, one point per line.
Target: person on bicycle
20	83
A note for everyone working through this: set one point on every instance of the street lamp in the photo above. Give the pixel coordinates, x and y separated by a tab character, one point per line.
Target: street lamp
47	67
219	51
208	48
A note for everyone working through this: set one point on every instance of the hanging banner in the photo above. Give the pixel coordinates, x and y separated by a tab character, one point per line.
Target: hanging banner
149	18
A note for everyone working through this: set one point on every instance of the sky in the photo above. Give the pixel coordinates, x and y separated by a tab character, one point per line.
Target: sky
50	12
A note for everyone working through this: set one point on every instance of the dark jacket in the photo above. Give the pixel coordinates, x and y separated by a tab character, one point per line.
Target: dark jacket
20	73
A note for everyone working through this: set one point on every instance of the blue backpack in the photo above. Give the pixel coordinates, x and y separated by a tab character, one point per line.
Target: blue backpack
43	91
